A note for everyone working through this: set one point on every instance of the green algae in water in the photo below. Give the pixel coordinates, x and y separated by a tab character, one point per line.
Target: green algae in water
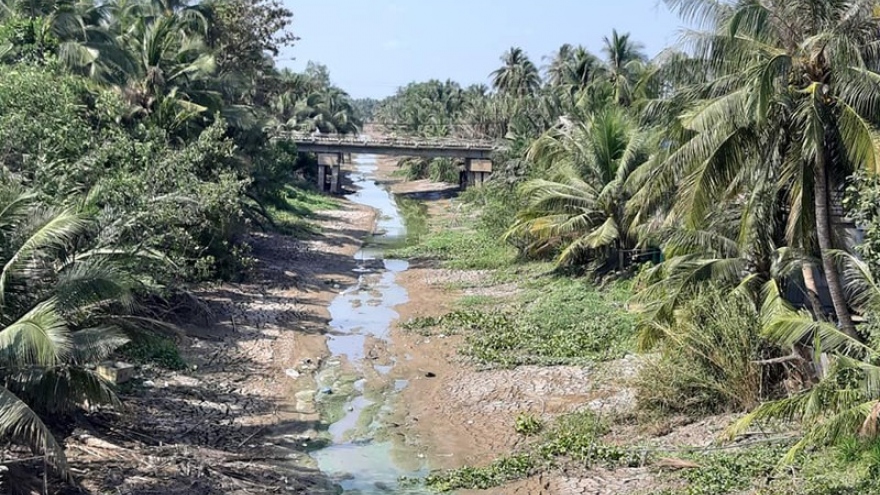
364	457
415	218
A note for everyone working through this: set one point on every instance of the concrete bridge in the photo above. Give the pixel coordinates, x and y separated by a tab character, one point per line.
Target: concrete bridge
333	151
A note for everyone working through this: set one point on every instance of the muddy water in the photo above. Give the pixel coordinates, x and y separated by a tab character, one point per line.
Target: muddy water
355	392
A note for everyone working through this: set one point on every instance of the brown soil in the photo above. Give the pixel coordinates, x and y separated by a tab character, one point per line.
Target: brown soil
230	424
465	416
234	423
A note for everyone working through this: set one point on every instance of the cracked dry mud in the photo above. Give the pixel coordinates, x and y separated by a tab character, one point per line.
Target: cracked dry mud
242	420
228	425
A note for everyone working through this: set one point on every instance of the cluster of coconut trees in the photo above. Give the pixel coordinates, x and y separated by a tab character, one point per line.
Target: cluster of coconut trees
180	64
136	146
576	68
730	154
524	100
732	158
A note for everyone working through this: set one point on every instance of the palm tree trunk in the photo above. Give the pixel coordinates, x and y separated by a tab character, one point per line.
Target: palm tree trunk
812	290
823	232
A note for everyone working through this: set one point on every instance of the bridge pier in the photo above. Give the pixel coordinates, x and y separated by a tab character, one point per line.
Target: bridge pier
474	173
330	172
336	177
322	177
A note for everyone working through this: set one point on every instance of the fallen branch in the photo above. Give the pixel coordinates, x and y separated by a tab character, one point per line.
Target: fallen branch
252	435
18	461
794	356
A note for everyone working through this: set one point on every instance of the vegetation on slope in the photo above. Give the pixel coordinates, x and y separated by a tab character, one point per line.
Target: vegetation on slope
718	175
136	158
141	131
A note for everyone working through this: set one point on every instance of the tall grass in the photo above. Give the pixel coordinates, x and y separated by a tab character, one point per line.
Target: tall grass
707	361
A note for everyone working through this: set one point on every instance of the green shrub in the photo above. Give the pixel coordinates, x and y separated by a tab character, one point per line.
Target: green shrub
145	348
528	425
495	202
707	362
187	200
729	472
498	473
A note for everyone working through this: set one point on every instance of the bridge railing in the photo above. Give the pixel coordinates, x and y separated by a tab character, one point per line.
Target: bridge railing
391	142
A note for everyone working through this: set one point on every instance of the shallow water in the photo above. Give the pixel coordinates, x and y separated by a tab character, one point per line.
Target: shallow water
359	459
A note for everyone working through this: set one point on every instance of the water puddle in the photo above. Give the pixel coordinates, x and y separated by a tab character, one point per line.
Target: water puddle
362	457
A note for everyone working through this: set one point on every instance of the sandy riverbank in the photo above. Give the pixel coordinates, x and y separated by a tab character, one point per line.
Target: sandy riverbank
465	416
229	424
234	423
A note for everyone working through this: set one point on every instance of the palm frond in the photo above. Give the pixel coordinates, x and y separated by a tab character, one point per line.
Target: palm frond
19	421
51	231
40	338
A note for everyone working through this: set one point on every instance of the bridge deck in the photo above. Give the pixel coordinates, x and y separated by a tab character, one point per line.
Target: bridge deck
429	148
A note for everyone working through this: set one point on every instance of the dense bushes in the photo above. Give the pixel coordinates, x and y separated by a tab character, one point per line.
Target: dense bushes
135	156
185	201
707	361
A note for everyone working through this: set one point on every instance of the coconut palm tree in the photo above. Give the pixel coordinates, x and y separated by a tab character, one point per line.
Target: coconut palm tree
61	309
558	65
573	68
625	59
845	402
168	61
44	28
737	247
518	76
307	106
792	97
585	68
428	109
579	213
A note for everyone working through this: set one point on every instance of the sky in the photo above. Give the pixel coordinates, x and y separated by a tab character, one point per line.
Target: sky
372	47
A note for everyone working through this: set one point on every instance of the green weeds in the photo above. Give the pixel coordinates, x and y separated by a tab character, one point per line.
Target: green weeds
502	471
849	467
707	360
563	321
728	472
846	469
294	208
528	425
460	248
415	218
146	348
576	437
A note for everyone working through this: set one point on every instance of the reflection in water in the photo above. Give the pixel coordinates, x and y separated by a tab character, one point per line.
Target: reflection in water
365	310
365	464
